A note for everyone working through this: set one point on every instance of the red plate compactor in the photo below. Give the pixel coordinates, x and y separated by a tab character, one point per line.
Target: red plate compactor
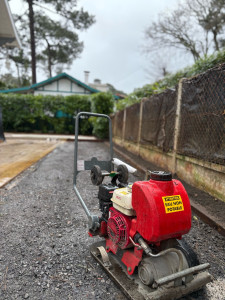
141	226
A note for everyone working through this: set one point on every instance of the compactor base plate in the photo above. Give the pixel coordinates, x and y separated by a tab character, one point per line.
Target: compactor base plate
133	288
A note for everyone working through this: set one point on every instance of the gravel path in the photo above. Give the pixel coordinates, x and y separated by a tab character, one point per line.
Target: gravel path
44	242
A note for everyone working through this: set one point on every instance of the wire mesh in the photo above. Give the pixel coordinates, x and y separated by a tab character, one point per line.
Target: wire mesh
118	121
132	122
202	126
158	120
201	133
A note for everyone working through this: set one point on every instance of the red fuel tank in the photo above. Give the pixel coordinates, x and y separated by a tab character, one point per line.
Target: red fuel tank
162	207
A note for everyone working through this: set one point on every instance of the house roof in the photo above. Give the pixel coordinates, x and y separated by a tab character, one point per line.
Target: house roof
8	33
47	81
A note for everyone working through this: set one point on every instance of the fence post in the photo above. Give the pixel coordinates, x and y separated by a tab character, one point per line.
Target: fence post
124	125
2	137
177	125
140	125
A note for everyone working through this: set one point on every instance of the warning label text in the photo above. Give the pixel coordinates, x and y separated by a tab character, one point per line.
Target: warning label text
173	203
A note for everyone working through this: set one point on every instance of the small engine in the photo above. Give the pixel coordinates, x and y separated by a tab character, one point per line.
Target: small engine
149	213
158	210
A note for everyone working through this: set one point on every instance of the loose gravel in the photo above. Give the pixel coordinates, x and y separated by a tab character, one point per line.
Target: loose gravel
44	242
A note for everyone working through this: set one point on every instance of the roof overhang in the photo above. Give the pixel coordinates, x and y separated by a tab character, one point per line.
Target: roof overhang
8	34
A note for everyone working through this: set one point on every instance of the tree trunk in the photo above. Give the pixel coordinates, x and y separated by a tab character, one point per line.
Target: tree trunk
49	61
32	40
215	40
18	74
164	71
195	54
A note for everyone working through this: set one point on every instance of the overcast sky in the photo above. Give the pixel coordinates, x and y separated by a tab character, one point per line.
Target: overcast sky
112	46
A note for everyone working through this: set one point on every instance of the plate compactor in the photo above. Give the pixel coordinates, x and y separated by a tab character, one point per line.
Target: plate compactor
141	225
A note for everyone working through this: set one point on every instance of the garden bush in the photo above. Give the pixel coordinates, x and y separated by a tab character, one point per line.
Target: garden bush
54	114
45	114
102	103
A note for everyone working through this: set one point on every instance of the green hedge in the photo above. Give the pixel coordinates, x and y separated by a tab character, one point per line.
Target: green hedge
171	80
48	114
102	103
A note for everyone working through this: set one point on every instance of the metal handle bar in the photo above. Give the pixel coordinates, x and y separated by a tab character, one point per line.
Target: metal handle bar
77	132
181	274
93	220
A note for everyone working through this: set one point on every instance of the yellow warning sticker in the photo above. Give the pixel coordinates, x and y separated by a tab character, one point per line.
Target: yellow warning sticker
124	193
173	203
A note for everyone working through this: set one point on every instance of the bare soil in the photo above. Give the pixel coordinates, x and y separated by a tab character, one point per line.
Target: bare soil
18	154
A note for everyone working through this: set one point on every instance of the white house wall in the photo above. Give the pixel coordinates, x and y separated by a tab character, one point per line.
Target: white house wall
52	93
78	89
63	87
100	87
55	93
50	87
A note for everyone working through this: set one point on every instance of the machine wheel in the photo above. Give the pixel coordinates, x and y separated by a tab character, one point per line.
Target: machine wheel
96	175
122	173
188	252
184	247
192	260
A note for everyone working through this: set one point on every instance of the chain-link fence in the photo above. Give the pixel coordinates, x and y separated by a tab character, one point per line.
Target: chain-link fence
202	126
132	123
201	130
158	119
117	124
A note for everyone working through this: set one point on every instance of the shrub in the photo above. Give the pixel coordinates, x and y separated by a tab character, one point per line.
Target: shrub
55	114
29	113
101	103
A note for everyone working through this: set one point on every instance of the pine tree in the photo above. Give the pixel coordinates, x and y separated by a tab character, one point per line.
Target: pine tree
52	25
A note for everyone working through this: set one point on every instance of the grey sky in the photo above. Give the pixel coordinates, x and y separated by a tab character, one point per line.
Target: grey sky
112	50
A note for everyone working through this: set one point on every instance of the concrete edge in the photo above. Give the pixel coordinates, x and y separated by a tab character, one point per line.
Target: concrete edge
67	138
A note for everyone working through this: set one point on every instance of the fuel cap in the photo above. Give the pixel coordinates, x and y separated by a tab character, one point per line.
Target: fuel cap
161	175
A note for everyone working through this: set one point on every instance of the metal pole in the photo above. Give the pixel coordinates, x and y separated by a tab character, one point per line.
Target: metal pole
140	124
181	274
177	125
124	125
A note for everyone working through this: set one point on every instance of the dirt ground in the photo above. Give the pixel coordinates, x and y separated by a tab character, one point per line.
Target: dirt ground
44	242
16	155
